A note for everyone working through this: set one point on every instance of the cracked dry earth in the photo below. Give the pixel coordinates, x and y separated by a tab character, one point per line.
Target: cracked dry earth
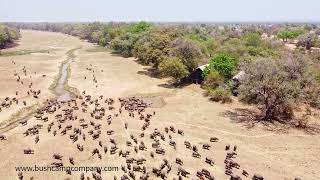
160	133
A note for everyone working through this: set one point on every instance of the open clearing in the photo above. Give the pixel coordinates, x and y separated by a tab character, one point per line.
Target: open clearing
271	154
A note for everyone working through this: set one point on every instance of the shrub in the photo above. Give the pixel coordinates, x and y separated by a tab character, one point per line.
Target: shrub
253	39
308	40
173	67
213	80
219	94
222	63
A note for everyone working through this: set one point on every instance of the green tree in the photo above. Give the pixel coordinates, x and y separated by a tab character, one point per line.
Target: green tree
8	35
188	51
285	35
139	27
152	48
124	44
222	63
173	67
109	33
276	85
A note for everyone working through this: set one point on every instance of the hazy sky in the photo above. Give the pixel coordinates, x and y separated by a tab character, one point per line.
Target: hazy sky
160	10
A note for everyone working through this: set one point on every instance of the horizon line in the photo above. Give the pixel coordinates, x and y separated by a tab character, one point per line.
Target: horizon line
187	22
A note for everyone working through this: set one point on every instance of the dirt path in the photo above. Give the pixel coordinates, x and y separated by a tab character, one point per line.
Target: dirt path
273	155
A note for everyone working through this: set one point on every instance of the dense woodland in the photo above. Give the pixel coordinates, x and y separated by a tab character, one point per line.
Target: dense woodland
275	77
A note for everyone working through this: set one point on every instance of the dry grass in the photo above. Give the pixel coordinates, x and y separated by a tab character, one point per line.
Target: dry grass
23	52
14	119
98	49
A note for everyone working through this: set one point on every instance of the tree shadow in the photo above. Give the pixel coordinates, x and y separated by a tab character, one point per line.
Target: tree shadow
173	85
250	119
152	72
312	129
149	71
245	116
11	45
115	54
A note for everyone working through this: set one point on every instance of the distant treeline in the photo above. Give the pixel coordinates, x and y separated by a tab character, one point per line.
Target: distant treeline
173	49
272	77
8	35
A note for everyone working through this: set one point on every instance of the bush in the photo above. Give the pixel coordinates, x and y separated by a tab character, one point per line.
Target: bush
315	101
222	63
219	94
253	39
173	67
308	40
213	80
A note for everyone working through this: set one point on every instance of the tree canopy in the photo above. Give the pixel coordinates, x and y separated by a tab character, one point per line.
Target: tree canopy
8	35
222	63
